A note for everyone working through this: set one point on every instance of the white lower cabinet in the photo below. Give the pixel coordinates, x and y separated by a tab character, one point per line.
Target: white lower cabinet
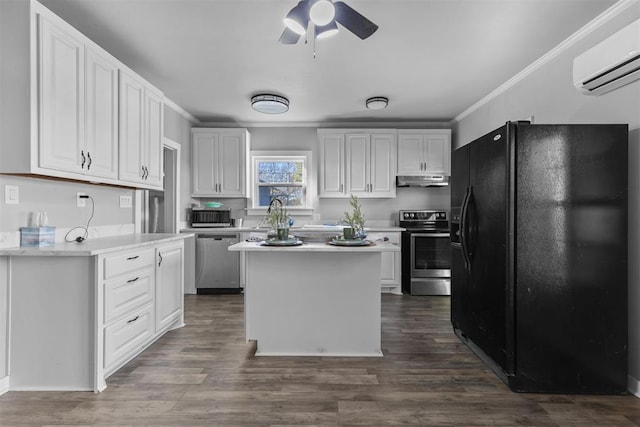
169	284
109	307
126	336
391	264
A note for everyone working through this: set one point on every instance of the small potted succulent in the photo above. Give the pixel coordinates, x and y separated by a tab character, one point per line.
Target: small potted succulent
354	221
278	218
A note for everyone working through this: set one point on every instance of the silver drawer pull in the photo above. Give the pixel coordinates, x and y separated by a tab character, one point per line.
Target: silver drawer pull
134	319
133	257
133	280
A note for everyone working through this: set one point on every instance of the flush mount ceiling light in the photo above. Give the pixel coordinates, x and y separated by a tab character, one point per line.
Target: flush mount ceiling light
270	104
377	103
324	15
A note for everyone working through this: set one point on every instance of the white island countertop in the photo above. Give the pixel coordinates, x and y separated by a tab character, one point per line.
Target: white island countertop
95	246
315	247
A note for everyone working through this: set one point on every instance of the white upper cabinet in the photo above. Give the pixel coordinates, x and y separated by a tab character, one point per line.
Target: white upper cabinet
219	162
61	101
62	96
101	143
359	162
331	173
424	152
140	157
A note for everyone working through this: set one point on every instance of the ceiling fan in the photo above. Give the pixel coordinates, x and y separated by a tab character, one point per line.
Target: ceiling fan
325	15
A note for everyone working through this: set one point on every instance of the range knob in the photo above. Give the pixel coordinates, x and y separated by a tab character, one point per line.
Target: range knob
406	215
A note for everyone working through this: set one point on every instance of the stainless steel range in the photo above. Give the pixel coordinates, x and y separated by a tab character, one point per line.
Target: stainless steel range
426	252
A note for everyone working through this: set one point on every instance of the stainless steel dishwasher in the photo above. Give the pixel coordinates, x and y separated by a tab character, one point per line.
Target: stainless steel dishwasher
217	269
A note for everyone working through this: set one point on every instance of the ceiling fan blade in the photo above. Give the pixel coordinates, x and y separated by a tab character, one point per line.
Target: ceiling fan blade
289	37
354	21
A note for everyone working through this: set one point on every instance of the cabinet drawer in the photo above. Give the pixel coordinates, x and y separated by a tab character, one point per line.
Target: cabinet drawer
124	295
130	261
126	336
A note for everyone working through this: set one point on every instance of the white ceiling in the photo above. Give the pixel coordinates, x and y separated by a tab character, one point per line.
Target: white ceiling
431	58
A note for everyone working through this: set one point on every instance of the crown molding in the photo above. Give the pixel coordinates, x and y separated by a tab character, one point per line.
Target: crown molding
617	9
335	125
178	109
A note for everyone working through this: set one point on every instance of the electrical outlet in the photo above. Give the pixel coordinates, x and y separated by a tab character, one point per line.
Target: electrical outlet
11	194
126	201
81	203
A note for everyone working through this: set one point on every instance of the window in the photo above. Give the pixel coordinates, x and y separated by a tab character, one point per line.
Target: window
283	176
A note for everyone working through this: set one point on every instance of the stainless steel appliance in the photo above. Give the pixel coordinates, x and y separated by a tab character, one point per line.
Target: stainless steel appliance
426	252
210	217
539	236
217	269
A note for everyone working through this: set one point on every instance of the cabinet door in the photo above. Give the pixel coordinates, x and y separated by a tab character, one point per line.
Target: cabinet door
152	148
204	171
332	164
357	163
391	265
101	144
410	153
437	152
231	164
61	98
131	128
169	284
382	165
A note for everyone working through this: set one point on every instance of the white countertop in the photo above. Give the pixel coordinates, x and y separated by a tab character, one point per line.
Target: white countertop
293	230
315	247
95	246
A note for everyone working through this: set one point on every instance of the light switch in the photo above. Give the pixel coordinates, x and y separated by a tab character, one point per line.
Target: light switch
11	194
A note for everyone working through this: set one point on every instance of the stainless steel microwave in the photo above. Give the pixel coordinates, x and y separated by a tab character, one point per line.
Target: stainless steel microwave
210	217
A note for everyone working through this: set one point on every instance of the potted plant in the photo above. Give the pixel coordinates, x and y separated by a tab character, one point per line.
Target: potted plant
278	218
354	221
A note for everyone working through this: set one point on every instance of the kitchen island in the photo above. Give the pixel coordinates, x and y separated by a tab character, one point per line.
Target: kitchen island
314	299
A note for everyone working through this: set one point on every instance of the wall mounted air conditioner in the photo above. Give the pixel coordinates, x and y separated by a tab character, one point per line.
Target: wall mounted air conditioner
612	63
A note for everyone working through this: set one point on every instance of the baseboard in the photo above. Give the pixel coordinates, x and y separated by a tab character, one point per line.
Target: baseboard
633	385
4	385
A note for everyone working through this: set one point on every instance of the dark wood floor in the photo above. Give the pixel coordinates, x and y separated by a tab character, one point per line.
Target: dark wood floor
205	374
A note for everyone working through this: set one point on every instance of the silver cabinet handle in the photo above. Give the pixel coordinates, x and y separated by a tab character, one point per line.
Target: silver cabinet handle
83	159
133	257
134	319
160	256
142	168
90	161
133	280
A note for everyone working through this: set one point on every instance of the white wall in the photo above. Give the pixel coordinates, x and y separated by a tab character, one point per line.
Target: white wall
548	95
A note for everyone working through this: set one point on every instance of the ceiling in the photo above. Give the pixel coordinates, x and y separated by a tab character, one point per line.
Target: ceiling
432	58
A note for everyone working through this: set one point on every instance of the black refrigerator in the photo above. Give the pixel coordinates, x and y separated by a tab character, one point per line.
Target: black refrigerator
539	271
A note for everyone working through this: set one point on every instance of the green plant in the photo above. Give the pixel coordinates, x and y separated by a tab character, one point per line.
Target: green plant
277	215
355	220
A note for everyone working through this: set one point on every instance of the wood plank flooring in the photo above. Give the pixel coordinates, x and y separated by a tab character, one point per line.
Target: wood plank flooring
205	374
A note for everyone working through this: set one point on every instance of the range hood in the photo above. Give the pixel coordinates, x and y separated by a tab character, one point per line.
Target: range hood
422	181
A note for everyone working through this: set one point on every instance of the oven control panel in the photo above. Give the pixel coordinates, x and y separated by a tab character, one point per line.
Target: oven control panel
423	216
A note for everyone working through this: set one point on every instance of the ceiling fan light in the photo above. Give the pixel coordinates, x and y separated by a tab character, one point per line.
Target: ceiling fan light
298	18
322	12
377	103
270	104
326	31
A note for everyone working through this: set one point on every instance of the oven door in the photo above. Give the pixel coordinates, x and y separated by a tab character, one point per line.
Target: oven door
430	255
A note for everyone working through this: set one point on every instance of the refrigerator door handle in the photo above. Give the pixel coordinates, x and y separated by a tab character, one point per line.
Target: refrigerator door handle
463	229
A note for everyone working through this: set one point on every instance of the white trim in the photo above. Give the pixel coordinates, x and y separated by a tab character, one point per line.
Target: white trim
337	125
4	385
633	386
174	146
178	109
615	10
309	181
